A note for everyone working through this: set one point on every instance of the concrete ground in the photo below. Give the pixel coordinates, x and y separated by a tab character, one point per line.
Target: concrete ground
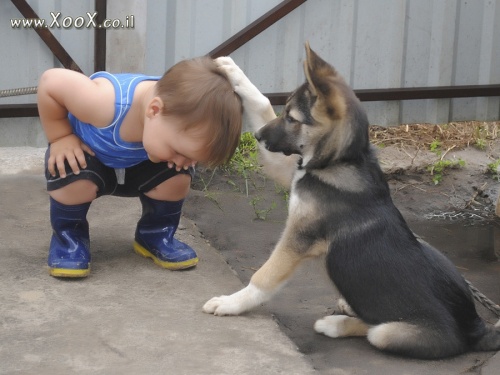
132	317
129	316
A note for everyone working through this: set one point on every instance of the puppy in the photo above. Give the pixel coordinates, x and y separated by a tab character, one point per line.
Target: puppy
402	294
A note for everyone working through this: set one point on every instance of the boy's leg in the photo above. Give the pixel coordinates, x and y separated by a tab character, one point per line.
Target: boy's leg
162	198
69	250
70	198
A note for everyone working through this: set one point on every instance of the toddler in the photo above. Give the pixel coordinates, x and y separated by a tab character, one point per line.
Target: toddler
132	135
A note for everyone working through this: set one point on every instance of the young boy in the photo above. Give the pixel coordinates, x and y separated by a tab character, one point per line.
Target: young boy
132	135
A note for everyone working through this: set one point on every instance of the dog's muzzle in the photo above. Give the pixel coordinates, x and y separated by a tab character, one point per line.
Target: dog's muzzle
273	145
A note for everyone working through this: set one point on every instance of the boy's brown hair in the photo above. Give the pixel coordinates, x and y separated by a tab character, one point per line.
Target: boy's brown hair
197	91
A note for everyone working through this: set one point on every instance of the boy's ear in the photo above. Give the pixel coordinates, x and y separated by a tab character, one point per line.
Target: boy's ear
155	107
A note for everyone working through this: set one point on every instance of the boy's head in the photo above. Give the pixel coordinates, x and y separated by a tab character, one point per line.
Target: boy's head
198	93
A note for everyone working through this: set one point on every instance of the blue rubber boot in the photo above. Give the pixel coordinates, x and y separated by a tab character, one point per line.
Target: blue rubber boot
69	252
154	236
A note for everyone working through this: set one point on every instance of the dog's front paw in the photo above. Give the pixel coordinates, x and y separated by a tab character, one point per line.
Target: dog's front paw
223	305
244	300
253	99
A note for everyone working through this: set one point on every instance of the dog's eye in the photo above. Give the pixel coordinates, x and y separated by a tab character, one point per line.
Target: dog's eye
290	118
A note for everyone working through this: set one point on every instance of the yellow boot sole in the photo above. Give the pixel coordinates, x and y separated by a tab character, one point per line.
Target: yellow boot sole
168	265
64	272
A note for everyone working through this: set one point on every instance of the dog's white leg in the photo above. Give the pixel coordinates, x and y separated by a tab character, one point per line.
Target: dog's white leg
246	299
259	112
255	105
264	284
341	326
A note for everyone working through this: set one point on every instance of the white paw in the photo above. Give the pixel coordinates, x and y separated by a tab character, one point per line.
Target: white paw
224	60
222	305
246	299
331	325
253	99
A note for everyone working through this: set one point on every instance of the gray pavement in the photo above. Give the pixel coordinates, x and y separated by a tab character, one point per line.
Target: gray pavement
129	316
132	317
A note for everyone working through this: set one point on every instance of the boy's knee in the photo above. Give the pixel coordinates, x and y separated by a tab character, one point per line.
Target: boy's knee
173	189
80	191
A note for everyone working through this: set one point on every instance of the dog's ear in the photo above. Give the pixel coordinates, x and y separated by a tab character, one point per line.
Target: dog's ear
323	82
318	73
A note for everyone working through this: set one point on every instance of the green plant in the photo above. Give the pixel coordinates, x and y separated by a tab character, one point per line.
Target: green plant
435	147
205	183
261	214
437	169
480	133
481	143
244	159
493	168
245	156
283	192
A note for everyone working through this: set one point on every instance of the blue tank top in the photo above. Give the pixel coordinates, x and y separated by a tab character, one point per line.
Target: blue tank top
106	142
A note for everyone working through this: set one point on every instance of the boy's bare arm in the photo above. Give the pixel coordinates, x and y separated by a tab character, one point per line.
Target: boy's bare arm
61	91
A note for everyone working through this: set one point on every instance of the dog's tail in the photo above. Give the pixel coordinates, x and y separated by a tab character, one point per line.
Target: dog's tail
490	340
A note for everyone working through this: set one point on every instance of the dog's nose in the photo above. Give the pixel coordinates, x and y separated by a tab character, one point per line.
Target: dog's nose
257	136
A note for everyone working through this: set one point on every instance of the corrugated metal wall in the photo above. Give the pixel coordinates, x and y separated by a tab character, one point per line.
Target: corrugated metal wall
23	54
374	44
24	57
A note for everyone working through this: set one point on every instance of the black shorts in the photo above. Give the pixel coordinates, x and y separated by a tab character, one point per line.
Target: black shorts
139	178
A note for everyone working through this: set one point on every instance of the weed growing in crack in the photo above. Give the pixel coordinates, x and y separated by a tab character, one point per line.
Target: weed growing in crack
437	169
244	160
494	169
261	214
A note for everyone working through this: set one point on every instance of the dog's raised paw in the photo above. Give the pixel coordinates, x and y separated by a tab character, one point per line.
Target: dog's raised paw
253	100
224	60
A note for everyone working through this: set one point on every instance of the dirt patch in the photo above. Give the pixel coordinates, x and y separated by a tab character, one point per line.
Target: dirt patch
243	219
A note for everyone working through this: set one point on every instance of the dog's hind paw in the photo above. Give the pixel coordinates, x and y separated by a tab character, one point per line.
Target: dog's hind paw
341	326
329	325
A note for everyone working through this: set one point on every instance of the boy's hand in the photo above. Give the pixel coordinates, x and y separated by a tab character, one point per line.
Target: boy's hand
69	148
184	166
255	104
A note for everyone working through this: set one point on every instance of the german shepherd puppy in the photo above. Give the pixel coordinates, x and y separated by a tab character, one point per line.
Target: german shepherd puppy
404	295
